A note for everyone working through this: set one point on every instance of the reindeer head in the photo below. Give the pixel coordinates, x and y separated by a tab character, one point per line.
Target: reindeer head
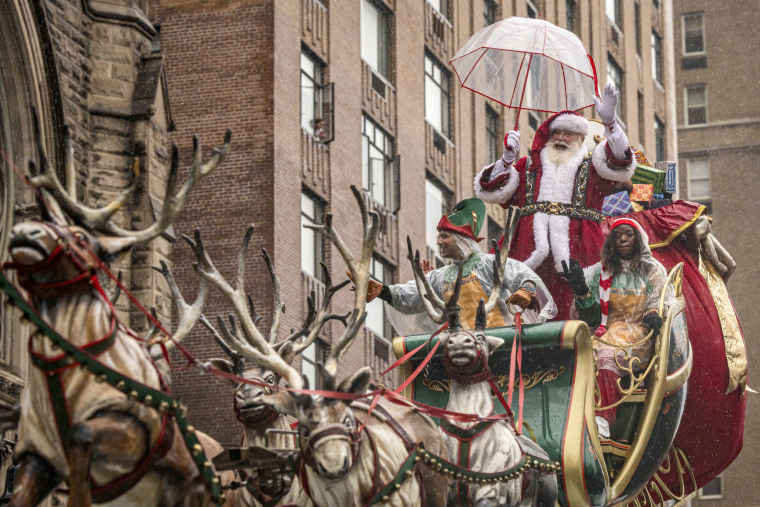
48	255
466	352
328	430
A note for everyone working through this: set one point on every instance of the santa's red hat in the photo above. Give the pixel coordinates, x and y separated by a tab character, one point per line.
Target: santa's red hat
571	121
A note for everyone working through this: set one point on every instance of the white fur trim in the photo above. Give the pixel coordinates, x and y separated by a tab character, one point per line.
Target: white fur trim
500	195
571	122
559	239
541	239
599	161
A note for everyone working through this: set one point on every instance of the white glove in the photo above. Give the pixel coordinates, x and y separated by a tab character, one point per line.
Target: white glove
511	147
605	107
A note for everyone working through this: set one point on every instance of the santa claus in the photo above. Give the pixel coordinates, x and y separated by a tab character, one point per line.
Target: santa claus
560	190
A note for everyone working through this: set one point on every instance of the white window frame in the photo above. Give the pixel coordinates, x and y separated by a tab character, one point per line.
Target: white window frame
318	250
377	304
432	187
683	34
444	91
657	56
686	102
616	7
317	81
713	497
310	356
689	179
612	64
370	142
383	29
440	6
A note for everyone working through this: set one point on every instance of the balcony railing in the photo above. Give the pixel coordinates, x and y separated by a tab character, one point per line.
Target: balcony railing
314	27
439	34
315	164
379	98
439	155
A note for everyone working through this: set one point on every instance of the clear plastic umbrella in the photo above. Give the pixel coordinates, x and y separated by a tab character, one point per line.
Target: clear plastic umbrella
528	63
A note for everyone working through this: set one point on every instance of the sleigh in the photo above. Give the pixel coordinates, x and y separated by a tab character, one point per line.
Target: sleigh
558	376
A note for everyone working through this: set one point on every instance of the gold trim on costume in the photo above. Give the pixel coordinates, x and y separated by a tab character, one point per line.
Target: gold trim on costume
736	352
673	235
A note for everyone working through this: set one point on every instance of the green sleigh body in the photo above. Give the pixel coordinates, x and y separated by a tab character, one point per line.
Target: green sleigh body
559	404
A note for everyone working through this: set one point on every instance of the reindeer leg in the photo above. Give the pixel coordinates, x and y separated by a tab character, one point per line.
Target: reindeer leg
36	478
111	436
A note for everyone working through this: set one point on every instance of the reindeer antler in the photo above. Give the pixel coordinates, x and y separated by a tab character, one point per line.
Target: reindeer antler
501	256
99	219
434	306
251	343
359	273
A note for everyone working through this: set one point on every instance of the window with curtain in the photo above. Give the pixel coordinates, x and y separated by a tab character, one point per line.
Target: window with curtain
698	171
375	37
377	162
437	81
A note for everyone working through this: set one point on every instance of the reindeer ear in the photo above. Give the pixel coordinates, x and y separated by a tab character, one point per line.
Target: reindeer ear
493	343
281	402
111	247
225	366
358	382
444	338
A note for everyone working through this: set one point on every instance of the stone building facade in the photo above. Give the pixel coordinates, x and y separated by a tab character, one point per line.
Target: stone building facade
90	66
718	120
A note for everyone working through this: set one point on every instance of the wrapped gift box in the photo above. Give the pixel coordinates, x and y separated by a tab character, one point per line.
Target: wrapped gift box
670	175
644	175
617	204
639	156
642	193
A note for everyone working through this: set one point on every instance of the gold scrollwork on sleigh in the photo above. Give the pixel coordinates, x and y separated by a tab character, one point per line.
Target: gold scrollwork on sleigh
541	376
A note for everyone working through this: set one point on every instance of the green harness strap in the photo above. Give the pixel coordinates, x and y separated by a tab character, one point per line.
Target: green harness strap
465	437
133	389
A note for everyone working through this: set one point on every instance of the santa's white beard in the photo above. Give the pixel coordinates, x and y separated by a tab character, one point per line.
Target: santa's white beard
561	156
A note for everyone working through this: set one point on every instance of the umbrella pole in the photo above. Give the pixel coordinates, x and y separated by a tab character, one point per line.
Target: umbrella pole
522	95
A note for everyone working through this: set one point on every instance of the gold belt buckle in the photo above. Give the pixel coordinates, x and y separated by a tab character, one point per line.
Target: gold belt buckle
555	208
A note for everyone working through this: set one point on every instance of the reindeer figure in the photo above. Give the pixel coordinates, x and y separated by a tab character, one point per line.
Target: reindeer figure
486	446
263	426
341	464
73	427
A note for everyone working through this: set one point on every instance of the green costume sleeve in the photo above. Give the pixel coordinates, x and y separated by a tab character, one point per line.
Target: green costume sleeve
589	310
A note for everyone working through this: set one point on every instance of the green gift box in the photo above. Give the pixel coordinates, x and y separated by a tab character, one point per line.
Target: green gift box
645	175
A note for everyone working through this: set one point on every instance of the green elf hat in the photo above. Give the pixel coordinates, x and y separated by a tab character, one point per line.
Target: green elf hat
467	219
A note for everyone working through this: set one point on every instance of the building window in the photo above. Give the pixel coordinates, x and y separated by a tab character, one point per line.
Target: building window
532	9
613	11
713	490
376	320
312	244
615	76
533	120
377	162
312	73
490	11
375	37
441	6
637	22
314	354
436	95
656	4
656	57
696	104
698	186
693	34
571	14
435	207
493	134
659	138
